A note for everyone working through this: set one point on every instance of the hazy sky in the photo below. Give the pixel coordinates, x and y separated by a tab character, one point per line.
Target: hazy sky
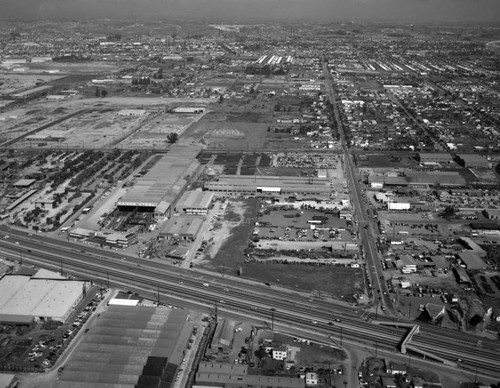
401	10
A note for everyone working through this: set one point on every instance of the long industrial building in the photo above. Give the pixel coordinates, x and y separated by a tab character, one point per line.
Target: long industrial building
271	185
236	376
159	189
130	347
419	179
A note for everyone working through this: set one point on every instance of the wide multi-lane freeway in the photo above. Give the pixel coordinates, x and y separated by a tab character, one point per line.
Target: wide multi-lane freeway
189	288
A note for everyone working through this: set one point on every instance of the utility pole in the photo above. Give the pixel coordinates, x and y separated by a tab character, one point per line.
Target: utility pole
272	318
107	277
61	268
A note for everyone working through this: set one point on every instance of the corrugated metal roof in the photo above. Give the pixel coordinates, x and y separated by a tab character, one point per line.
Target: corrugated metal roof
123	347
165	179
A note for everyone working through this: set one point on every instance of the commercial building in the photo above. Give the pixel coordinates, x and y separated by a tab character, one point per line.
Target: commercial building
407	264
189	109
183	227
195	202
398	206
141	346
25	298
112	239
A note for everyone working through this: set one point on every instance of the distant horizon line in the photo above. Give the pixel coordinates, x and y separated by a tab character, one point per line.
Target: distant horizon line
235	21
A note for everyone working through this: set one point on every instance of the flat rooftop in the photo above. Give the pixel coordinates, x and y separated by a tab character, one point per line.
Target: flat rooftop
22	295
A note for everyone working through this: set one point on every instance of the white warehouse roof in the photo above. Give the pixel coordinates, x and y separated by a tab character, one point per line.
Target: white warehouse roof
48	298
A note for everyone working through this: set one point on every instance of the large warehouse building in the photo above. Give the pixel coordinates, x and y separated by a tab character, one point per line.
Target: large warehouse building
271	185
418	179
159	189
137	347
25	298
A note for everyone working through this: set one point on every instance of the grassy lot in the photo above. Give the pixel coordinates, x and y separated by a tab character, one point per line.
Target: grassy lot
231	255
339	282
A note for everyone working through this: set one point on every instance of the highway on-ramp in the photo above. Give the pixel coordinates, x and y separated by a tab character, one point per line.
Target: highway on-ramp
188	288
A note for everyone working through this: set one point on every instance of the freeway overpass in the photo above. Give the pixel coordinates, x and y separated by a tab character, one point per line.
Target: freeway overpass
297	311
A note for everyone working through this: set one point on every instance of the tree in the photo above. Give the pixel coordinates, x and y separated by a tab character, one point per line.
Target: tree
172	137
221	99
448	212
260	353
104	93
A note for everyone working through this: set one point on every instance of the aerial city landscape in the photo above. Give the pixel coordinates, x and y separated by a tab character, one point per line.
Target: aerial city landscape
211	203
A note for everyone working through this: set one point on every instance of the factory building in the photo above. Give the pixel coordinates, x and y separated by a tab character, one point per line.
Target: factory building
299	187
195	202
158	190
236	376
27	298
130	346
419	179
